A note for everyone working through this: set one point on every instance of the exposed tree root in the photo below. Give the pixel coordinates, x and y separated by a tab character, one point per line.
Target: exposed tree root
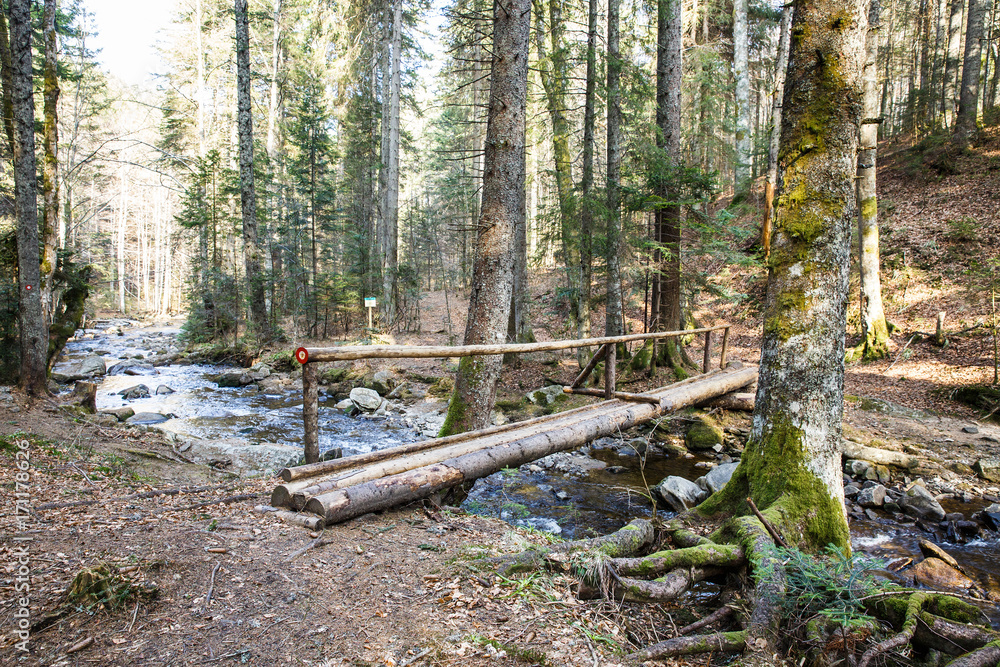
724	642
719	555
987	656
668	587
904	636
718	615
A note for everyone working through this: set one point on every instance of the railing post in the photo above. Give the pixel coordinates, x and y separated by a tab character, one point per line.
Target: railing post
610	369
706	364
310	412
725	347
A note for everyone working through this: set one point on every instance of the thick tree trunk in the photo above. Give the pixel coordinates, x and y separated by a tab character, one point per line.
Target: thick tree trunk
780	68
50	161
7	78
614	324
503	183
667	228
874	330
272	106
741	74
252	253
925	60
966	123
799	403
34	335
388	243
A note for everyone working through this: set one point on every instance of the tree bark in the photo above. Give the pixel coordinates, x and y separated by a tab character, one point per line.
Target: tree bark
741	74
799	403
252	252
948	99
587	182
966	122
388	243
6	76
50	161
503	183
667	227
874	330
34	335
614	324
780	68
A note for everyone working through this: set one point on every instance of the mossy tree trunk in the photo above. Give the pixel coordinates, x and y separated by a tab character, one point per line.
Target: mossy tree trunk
503	188
50	160
799	404
875	331
614	320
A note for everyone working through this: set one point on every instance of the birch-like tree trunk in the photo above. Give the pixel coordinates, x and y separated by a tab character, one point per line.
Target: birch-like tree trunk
614	325
587	183
780	69
966	122
875	332
503	183
252	253
33	330
50	159
741	74
949	98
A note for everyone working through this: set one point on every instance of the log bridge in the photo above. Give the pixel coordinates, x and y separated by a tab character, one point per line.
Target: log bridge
345	488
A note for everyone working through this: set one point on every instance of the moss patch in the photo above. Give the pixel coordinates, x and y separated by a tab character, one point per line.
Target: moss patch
705	433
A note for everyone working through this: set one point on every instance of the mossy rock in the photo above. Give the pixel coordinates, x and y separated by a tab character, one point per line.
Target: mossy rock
282	362
442	388
333	375
704	434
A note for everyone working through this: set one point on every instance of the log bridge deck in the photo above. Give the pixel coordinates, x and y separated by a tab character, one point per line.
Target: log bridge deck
345	488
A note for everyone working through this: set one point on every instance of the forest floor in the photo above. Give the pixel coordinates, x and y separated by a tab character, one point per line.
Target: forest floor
401	587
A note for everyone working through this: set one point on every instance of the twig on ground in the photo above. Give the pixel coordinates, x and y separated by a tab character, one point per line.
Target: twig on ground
211	584
410	661
714	617
318	542
221	501
772	531
900	353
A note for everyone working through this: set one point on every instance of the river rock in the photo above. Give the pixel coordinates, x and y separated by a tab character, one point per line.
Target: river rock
163	390
131	367
931	550
104	419
873	496
851	490
704	434
384	382
918	502
936	574
147	418
717	477
93	365
259	372
120	414
545	395
988	469
241	457
366	399
136	392
233	379
346	405
680	493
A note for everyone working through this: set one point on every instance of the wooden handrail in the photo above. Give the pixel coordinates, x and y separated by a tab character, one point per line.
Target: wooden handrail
306	355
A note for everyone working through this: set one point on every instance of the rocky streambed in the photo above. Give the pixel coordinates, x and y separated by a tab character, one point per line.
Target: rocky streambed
248	421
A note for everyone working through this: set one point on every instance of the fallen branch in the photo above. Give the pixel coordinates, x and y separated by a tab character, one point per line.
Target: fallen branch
318	542
221	501
80	645
144	494
771	530
711	619
211	584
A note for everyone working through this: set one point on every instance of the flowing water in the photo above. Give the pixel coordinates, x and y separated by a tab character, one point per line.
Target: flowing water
604	490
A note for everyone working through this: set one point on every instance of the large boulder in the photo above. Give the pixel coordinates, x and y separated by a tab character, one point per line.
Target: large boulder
383	382
133	393
938	575
92	366
148	418
367	400
131	367
680	493
988	469
704	434
717	477
121	414
234	379
918	502
872	496
241	457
